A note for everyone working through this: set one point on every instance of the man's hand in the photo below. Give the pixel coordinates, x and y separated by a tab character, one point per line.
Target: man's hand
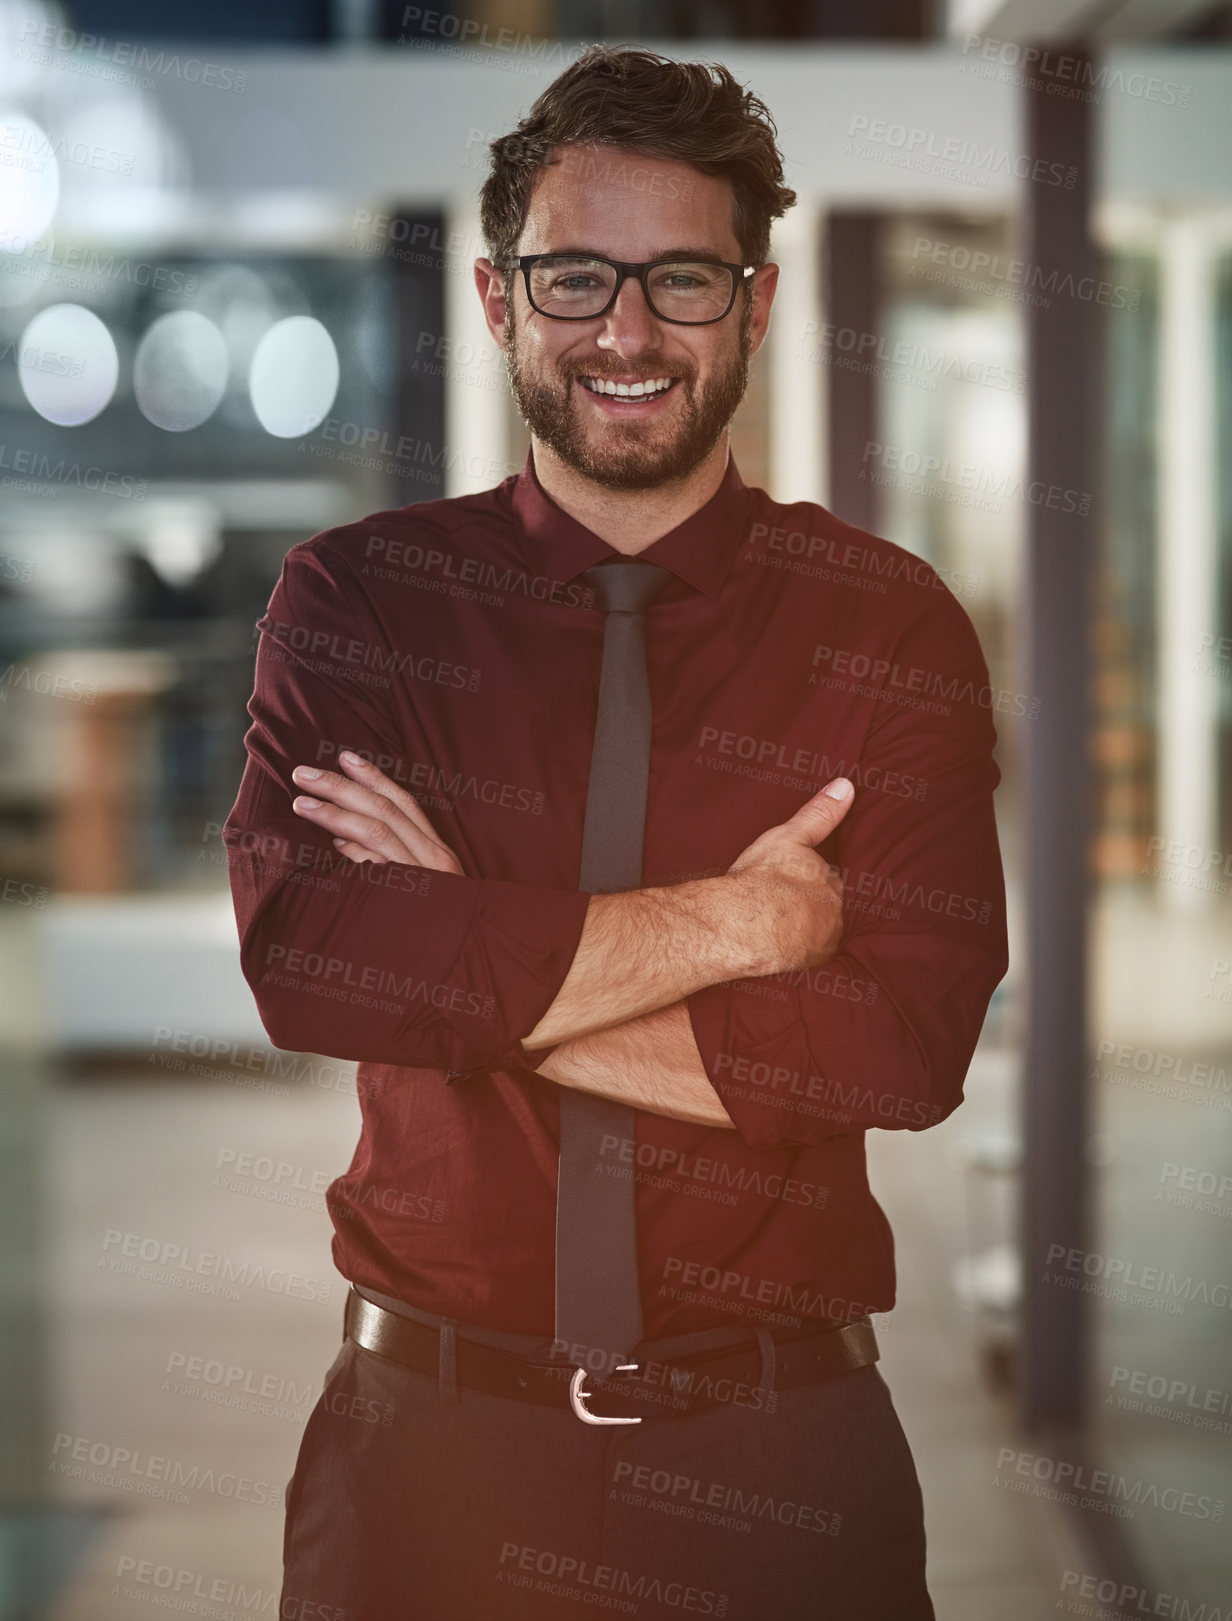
797	893
371	818
778	907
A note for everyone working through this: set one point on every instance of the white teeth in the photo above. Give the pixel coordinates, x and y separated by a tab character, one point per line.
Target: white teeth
604	385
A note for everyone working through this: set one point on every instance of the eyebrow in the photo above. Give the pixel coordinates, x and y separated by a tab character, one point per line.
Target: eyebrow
688	252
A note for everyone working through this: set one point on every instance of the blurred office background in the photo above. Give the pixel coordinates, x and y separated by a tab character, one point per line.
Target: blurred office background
236	308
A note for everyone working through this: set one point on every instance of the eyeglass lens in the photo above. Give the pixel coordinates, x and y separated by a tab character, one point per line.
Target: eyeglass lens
680	291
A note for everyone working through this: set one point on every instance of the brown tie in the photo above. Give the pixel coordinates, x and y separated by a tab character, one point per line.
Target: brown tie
598	1302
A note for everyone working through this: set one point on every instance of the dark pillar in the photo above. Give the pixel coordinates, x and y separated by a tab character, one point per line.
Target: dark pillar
853	305
1064	408
419	257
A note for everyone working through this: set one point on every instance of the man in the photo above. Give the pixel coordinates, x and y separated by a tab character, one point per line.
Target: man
434	696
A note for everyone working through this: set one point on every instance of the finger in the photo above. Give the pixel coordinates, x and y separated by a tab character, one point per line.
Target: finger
346	795
365	773
358	852
371	832
818	817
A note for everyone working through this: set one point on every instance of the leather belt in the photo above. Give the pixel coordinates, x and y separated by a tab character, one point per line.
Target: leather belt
685	1385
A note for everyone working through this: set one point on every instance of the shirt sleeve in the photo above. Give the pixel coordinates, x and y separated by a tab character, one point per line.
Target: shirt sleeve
883	1033
393	964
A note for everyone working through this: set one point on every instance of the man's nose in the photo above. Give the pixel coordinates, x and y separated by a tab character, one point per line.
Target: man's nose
630	326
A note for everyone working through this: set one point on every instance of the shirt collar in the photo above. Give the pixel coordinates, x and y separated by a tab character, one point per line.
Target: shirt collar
700	551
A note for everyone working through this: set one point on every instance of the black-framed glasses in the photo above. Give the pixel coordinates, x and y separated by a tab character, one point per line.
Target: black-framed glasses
581	286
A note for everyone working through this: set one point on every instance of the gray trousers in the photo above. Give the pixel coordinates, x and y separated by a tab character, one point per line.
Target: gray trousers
416	1500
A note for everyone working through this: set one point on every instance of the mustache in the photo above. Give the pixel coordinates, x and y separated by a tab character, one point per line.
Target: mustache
624	373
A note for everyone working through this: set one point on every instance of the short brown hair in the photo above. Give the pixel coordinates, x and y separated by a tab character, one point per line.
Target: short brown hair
635	100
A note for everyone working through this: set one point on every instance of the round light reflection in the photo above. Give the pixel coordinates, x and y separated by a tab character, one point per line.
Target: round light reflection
294	376
67	364
29	180
180	371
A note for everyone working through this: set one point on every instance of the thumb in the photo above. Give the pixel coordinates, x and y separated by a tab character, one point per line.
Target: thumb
818	817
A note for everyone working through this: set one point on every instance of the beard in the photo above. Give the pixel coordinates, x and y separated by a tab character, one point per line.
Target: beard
629	456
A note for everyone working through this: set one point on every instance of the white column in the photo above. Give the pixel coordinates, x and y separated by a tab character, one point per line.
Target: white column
798	460
476	391
1186	578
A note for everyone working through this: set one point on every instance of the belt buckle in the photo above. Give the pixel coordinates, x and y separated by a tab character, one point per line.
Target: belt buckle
578	1396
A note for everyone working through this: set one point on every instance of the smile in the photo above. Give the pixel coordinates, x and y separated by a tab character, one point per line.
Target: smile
648	389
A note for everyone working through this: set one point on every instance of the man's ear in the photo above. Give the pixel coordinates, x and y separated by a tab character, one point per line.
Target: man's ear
490	284
765	282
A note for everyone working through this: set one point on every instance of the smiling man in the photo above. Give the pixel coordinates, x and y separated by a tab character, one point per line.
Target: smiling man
530	829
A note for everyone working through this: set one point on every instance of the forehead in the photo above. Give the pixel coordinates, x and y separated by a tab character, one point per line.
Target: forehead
627	205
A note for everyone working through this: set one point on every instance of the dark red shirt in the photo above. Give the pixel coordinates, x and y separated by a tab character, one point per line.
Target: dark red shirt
452	643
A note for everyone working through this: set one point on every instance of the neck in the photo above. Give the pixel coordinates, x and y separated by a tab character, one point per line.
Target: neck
629	520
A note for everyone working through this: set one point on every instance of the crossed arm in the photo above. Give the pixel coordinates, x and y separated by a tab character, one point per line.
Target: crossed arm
620	1023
